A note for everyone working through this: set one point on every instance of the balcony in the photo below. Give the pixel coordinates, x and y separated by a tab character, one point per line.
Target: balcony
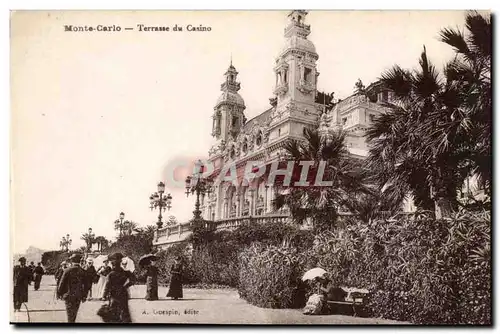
281	89
305	86
170	235
232	223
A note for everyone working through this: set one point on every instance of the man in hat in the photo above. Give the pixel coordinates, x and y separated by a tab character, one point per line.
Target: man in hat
91	275
38	272
58	275
32	269
22	278
116	289
72	287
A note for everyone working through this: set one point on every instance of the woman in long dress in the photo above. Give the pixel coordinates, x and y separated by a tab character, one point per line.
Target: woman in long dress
175	288
151	281
103	273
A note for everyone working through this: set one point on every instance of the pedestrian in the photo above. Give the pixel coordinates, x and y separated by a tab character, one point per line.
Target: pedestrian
103	273
116	290
72	287
175	288
151	281
91	277
59	274
37	275
32	269
22	278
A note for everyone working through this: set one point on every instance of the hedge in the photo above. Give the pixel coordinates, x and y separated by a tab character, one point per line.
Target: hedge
422	271
270	276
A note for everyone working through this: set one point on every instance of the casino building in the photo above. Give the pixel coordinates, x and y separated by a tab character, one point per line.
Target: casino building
296	104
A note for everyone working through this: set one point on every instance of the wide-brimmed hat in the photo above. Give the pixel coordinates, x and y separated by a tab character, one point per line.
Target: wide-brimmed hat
75	258
22	259
116	257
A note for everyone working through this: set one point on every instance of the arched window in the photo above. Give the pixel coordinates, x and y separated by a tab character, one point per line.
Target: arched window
233	153
258	140
244	147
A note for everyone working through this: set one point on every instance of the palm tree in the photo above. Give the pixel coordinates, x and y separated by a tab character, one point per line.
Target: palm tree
101	242
89	240
470	72
320	203
129	227
429	143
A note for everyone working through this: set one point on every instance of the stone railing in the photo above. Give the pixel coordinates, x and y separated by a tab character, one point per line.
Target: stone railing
177	233
281	89
171	232
231	223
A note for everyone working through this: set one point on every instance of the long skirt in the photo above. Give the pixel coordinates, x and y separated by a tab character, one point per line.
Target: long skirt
38	279
100	286
175	288
20	295
119	310
151	288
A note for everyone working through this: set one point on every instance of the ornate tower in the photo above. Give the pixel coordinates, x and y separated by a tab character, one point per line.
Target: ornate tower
296	80
228	118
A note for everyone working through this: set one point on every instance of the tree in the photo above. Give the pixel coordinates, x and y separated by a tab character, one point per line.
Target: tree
102	243
129	227
438	130
470	73
147	232
89	240
319	202
125	227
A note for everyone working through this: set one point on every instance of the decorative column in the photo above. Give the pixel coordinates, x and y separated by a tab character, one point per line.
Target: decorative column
238	202
266	188
251	209
224	208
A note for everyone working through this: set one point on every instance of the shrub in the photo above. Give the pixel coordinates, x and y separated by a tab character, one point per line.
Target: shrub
52	260
215	255
166	259
424	271
270	276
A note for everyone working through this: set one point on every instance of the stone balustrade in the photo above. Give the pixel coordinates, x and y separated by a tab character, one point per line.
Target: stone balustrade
173	234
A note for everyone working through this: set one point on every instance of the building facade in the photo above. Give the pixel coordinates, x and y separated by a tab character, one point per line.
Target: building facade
296	105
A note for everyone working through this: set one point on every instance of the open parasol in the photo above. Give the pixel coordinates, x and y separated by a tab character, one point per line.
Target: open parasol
128	264
147	258
313	273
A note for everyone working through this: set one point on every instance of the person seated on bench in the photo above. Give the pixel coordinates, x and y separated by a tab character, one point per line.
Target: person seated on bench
330	290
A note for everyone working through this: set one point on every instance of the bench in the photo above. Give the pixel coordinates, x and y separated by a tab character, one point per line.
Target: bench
356	302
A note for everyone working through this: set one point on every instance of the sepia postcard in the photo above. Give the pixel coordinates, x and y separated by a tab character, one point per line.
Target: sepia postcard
251	167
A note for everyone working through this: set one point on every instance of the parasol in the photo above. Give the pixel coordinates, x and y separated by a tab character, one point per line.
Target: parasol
147	258
99	261
313	273
128	264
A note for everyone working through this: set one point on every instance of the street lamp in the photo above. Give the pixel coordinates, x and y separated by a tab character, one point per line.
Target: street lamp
161	201
198	185
119	224
90	238
65	242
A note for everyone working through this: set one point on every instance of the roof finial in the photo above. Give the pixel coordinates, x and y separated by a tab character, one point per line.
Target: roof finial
231	59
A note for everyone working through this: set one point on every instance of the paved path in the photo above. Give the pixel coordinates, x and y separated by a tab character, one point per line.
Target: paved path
198	306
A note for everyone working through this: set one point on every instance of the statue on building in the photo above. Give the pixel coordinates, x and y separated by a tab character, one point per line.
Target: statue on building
359	87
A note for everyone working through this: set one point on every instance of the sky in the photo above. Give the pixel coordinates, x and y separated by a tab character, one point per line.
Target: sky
96	117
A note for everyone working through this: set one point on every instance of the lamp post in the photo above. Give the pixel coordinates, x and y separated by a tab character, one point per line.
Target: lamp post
90	239
65	242
198	185
161	201
119	224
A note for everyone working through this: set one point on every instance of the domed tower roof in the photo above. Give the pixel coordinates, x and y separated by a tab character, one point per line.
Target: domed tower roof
230	89
296	34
